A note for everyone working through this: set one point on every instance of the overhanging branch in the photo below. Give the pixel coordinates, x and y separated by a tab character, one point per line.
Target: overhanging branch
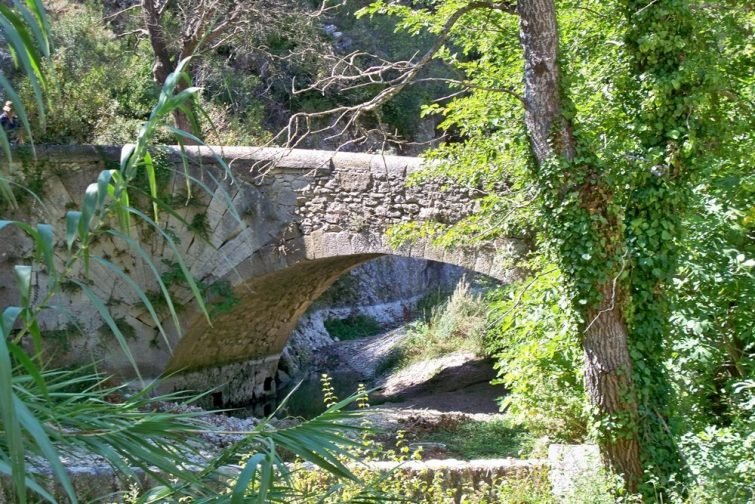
347	75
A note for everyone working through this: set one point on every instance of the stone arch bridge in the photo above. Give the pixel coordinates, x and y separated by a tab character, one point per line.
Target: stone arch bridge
301	220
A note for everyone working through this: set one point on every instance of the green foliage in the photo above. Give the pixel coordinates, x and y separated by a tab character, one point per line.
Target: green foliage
599	487
199	225
86	104
658	201
352	327
713	293
231	98
329	397
538	357
126	329
658	96
456	324
719	459
430	302
228	126
396	486
673	121
264	476
133	431
21	381
219	296
63	336
713	322
81	413
399	486
163	173
41	415
25	30
28	182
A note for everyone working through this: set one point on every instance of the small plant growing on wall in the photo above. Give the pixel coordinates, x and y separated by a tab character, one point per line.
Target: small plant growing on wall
62	337
200	226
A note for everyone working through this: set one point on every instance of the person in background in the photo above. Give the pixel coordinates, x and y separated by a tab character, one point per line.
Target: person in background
9	122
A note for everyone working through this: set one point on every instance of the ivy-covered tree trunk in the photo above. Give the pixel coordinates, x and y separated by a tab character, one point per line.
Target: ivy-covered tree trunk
608	365
673	106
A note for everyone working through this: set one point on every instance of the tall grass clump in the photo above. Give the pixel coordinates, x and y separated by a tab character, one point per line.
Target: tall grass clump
458	324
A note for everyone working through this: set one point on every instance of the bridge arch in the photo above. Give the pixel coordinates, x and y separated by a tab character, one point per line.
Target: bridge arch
273	294
239	352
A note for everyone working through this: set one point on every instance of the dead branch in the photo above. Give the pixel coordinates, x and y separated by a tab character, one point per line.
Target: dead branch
349	73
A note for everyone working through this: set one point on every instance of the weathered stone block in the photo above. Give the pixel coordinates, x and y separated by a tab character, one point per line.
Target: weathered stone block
355	181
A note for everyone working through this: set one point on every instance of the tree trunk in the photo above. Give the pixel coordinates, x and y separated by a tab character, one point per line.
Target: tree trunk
182	121
164	64
608	366
550	135
609	384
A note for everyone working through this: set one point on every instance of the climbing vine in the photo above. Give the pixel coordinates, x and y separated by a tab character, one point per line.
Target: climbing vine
670	51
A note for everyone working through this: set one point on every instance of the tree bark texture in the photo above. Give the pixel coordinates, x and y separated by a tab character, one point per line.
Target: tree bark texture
609	384
163	65
550	135
608	366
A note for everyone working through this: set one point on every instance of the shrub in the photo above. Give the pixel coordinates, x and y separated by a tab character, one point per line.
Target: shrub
721	463
472	439
353	327
539	358
102	88
99	91
720	459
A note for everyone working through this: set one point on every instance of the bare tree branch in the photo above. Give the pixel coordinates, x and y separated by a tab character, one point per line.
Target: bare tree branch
348	74
324	8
